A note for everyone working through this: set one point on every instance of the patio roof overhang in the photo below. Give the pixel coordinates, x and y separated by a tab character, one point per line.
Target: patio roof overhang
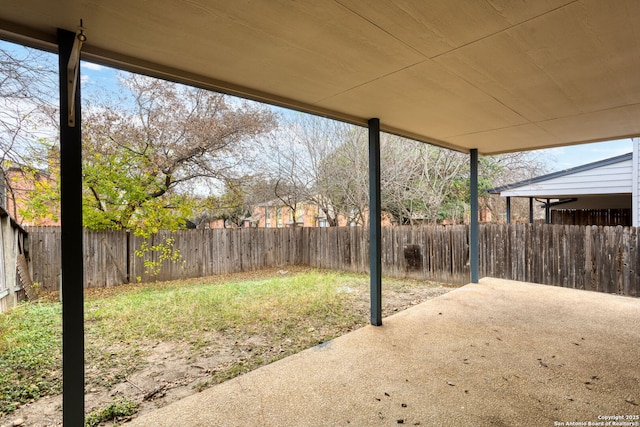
489	75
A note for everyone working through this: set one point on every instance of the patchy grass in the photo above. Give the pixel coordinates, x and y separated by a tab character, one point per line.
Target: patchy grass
30	342
257	317
180	312
302	309
117	410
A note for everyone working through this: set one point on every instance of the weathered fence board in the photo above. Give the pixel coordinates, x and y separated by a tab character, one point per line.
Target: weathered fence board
15	283
44	253
596	258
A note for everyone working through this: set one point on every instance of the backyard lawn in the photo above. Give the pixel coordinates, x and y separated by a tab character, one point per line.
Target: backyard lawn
148	345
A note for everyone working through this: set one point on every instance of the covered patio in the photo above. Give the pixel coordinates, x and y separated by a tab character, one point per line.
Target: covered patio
481	77
497	353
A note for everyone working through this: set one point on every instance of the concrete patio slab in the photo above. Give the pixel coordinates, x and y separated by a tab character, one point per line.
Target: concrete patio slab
497	353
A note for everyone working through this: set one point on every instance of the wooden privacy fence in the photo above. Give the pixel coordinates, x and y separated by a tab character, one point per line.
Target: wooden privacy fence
595	258
433	253
110	256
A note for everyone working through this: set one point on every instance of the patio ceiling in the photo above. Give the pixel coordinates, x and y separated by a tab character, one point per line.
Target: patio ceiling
495	75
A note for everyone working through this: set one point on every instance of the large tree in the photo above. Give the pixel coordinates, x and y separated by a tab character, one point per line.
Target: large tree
27	82
326	162
147	155
416	179
27	104
313	160
235	203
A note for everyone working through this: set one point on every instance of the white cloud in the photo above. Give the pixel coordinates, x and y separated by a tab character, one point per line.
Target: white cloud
92	66
575	155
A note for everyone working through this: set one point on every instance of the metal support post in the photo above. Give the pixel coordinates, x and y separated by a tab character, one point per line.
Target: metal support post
375	223
547	212
71	220
474	227
530	210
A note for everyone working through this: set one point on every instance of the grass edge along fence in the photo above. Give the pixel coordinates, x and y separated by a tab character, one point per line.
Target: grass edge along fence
602	259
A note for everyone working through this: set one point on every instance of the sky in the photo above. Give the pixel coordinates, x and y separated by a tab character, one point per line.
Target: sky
561	158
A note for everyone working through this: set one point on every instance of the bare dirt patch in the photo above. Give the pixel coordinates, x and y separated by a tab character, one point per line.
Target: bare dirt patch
166	371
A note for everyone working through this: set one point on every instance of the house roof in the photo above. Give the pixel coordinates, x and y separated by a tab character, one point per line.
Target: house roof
612	175
489	75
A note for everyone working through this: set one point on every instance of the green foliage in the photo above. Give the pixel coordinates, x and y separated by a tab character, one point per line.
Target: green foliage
36	191
454	210
117	409
156	255
30	348
139	165
123	190
42	202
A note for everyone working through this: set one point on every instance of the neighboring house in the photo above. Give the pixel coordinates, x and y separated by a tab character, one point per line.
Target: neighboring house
275	214
17	186
214	223
599	193
221	223
484	215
